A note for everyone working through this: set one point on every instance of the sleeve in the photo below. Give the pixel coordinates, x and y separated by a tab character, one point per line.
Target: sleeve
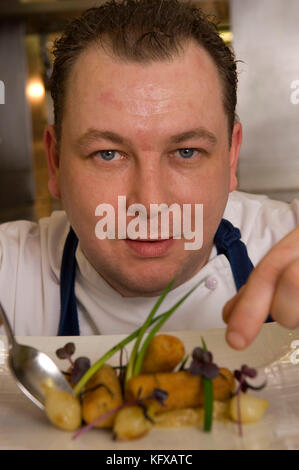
263	222
13	239
273	221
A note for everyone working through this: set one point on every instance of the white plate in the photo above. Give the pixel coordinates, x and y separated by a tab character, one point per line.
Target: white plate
24	426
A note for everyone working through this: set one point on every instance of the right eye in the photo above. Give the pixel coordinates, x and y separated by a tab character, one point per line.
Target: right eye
107	155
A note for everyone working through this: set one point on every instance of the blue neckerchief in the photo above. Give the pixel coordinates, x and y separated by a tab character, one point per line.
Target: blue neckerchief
228	242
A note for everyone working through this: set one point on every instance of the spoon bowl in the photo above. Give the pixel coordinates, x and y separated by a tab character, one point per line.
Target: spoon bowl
33	370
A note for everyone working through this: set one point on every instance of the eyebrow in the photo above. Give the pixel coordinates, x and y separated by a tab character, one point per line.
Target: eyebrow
93	135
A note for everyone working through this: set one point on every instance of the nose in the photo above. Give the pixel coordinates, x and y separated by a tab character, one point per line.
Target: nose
149	183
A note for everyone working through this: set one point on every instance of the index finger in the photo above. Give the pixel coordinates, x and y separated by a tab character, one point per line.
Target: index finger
247	315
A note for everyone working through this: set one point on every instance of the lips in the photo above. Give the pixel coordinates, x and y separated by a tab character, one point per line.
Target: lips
149	239
150	248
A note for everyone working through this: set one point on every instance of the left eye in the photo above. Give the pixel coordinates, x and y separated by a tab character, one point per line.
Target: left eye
107	155
186	153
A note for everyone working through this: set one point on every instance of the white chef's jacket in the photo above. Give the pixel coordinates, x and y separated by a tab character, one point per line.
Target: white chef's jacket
30	261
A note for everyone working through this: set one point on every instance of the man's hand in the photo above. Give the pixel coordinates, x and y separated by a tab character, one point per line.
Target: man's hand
272	288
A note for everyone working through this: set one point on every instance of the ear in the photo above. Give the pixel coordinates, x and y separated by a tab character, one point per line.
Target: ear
234	154
50	144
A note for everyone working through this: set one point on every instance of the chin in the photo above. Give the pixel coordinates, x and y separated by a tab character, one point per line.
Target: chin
146	284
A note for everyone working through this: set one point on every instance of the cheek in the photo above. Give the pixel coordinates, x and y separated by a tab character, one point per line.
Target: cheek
80	195
206	185
80	186
213	192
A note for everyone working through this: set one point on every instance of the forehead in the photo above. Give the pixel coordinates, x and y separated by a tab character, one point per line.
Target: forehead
102	85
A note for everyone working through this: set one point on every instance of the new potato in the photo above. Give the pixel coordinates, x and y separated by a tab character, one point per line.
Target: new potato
252	408
164	353
103	394
62	409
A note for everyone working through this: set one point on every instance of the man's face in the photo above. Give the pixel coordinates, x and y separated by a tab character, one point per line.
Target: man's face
142	112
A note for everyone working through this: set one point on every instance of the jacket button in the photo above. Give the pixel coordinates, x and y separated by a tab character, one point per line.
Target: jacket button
211	283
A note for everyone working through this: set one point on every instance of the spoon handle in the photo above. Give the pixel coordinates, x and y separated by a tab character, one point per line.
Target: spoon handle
7	327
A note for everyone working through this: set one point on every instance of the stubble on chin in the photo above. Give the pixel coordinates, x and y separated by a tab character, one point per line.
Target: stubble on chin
149	278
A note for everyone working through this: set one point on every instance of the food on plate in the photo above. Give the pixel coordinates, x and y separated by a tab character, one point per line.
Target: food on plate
184	390
164	353
131	423
63	409
162	399
157	387
102	394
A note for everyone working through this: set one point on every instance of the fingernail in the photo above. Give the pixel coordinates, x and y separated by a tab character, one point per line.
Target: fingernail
236	340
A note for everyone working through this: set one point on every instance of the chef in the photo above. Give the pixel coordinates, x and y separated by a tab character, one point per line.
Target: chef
145	108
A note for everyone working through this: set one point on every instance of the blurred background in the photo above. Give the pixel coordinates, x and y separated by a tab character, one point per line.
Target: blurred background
265	37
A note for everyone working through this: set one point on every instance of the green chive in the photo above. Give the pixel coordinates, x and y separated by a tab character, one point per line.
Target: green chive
208	403
157	327
208	398
161	319
100	362
134	353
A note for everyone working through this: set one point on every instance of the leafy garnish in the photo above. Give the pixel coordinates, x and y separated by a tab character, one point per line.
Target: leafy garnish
156	328
131	369
66	352
159	395
202	364
78	367
81	365
100	362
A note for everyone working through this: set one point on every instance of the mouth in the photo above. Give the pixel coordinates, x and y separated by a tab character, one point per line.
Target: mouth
150	248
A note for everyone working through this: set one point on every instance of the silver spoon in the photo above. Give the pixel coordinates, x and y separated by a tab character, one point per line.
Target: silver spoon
31	368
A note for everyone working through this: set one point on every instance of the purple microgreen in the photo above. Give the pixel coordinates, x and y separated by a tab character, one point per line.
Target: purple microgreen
80	366
157	394
66	352
240	376
202	364
249	372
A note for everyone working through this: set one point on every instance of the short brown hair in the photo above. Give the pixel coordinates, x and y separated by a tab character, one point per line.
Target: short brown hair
142	31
